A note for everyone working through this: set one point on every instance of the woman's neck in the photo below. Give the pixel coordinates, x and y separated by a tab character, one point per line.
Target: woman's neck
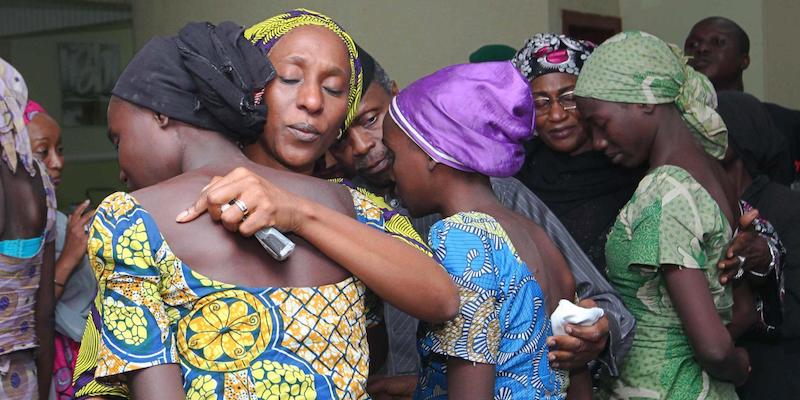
256	153
674	143
202	148
472	193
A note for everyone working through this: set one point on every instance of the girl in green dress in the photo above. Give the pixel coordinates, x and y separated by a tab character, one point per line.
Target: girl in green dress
645	106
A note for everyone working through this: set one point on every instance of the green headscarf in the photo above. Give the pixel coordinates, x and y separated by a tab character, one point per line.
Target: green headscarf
637	67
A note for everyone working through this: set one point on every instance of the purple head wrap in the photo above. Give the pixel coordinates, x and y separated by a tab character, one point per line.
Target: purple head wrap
471	117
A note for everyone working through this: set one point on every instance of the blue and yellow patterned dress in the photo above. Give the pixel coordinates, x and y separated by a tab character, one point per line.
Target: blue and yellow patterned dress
503	319
231	342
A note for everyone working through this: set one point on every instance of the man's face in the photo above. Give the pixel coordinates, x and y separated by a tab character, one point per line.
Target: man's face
716	52
362	151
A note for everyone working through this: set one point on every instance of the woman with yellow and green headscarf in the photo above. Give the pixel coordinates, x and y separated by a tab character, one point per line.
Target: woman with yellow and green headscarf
316	93
645	106
311	340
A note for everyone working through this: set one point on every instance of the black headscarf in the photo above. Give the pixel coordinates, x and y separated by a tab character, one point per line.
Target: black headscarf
208	76
754	137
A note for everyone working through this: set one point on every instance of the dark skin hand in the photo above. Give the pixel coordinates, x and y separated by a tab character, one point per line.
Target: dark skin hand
74	246
749	244
581	344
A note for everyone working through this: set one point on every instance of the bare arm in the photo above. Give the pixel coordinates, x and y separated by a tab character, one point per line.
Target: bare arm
395	271
712	344
580	384
45	304
468	380
160	382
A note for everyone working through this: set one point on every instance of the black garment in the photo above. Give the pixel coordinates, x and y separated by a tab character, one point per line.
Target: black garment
775	360
788	122
585	192
755	138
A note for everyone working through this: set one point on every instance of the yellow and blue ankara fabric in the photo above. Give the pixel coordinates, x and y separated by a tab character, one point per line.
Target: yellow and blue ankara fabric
231	342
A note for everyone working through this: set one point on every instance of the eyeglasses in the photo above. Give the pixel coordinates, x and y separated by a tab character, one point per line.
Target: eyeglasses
566	100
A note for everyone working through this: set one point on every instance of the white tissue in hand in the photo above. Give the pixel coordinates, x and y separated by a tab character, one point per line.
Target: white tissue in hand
568	313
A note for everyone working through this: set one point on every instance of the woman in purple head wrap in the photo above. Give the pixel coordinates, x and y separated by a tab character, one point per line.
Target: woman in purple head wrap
451	131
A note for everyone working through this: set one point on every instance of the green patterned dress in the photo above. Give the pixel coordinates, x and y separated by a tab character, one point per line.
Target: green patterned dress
670	219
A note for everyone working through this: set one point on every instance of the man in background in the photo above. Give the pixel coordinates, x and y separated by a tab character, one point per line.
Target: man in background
720	49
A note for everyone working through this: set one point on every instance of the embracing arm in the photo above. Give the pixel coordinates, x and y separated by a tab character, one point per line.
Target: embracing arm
756	248
394	270
712	344
45	306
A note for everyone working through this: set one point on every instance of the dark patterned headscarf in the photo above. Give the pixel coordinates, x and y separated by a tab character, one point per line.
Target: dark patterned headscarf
268	32
548	52
208	76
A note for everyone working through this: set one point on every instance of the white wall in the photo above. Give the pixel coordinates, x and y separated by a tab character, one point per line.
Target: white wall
672	20
782	69
90	158
409	38
36	57
608	8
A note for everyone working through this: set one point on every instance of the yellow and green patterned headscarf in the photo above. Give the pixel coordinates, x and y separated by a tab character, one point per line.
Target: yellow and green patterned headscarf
266	33
637	67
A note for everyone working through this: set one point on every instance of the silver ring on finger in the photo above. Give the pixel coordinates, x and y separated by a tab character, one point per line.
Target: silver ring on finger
86	228
742	260
242	207
239	204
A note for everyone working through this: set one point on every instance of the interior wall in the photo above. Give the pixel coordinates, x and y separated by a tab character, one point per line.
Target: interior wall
781	30
90	158
410	38
672	20
608	8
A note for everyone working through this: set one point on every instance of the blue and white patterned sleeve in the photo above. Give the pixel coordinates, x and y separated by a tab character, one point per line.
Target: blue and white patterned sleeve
474	334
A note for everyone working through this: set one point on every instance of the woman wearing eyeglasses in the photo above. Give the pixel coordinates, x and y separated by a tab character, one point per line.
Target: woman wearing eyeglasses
582	187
